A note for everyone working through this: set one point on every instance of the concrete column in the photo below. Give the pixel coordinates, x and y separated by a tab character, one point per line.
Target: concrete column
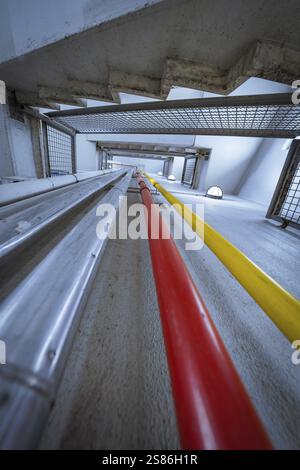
100	158
6	160
16	148
38	148
170	169
203	168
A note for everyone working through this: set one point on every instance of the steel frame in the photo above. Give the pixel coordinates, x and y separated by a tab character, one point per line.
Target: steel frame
150	149
136	155
46	138
283	186
158	153
190	185
272	115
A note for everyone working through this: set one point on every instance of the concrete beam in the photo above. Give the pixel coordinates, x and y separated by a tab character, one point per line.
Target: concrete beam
264	60
185	73
2	92
91	90
149	152
28	98
60	95
150	149
134	84
135	155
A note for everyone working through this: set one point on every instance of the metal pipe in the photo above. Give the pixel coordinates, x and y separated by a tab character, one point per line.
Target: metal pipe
38	321
212	406
14	192
281	306
44	211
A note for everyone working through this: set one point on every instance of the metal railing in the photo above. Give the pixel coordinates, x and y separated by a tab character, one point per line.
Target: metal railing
39	322
271	115
60	151
285	204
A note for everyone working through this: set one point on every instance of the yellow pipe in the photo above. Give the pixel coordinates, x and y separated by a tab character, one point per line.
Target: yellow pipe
282	307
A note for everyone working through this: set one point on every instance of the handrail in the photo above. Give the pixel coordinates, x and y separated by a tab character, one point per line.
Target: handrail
281	306
48	209
39	319
212	406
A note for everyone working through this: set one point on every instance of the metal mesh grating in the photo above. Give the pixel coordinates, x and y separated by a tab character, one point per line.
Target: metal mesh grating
289	206
263	115
59	151
188	171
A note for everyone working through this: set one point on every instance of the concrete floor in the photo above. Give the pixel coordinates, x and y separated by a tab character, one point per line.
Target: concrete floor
115	393
260	352
175	186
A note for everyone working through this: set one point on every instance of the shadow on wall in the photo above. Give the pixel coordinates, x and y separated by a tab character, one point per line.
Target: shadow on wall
261	176
229	159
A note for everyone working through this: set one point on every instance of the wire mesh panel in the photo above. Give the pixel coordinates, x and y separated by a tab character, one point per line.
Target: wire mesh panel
262	115
285	204
189	171
288	207
60	151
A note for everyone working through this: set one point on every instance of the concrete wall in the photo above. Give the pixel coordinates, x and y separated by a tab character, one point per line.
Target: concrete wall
230	156
87	156
6	162
177	168
26	25
16	152
229	159
261	177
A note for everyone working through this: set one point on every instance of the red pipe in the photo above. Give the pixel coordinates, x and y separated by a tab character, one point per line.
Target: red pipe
212	406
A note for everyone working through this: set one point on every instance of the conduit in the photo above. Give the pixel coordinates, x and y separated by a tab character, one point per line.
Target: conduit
38	213
13	192
213	409
281	306
38	322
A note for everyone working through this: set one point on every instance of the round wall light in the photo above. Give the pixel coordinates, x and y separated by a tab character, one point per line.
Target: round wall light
214	192
160	173
171	178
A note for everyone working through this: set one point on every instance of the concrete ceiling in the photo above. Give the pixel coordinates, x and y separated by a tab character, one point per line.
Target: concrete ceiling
199	44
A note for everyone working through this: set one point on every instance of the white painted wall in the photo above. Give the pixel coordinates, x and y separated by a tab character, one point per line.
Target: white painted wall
177	168
229	159
262	175
16	152
231	156
87	157
26	25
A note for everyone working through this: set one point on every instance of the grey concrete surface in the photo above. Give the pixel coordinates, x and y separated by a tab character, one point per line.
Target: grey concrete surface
27	26
259	350
211	40
115	392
